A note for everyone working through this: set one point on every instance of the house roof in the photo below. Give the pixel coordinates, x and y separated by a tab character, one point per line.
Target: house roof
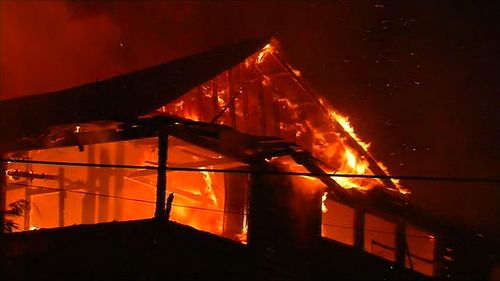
121	98
141	92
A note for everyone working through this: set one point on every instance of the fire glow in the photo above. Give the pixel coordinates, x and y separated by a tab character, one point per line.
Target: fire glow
261	96
295	121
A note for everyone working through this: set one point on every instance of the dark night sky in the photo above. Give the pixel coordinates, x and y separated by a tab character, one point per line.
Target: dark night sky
418	79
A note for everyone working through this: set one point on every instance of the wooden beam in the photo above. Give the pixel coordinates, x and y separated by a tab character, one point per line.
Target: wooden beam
401	246
305	159
232	96
359	228
3	188
62	197
104	179
161	182
119	179
88	201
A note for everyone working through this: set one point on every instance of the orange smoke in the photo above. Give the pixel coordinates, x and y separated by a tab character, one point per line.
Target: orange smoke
44	48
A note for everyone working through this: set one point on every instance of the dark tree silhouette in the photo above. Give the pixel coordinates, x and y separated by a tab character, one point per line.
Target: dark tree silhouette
16	209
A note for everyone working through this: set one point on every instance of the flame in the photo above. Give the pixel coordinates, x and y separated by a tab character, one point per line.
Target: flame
192	115
243	236
295	71
179	106
333	150
221	102
323	200
288	103
268	49
266	81
349	162
346	125
209	190
354	165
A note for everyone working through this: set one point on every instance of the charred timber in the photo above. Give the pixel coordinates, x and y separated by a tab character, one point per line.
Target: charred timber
373	165
3	187
30	175
305	159
161	180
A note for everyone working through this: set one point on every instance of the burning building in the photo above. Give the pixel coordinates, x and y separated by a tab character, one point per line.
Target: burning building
249	150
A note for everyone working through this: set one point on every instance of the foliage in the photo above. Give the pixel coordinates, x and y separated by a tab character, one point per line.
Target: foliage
16	209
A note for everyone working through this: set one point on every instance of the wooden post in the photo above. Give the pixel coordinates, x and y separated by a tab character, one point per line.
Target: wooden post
119	179
232	96
161	182
235	202
401	246
215	97
281	217
244	96
3	188
104	186
263	110
27	197
359	228
62	196
201	107
88	201
438	267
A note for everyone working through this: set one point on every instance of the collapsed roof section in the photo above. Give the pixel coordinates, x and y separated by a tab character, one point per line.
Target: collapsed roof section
264	95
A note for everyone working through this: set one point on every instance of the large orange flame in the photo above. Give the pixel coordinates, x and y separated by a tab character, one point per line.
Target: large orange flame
335	151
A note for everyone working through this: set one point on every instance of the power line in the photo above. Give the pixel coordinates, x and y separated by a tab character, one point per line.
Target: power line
82	192
239	171
120	197
198	208
376	231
